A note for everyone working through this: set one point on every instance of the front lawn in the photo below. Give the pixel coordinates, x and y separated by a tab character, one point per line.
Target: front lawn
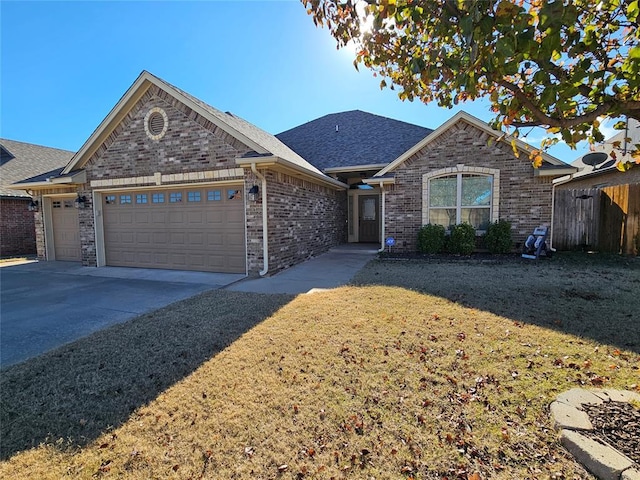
433	369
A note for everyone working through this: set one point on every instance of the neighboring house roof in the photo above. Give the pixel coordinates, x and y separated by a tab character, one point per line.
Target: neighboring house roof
19	160
353	138
551	164
609	163
263	143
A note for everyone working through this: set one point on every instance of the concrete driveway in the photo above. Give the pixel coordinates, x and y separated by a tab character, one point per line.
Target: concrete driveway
46	304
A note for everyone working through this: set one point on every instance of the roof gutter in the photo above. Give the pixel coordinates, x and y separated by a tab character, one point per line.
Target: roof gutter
274	161
265	229
78	178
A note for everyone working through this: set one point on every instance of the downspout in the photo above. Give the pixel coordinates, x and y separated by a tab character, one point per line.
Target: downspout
265	230
382	215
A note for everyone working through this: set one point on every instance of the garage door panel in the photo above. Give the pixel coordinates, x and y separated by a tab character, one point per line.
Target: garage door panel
125	218
235	239
176	217
127	238
143	237
159	238
66	230
196	218
177	239
235	216
196	239
158	218
142	217
215	240
179	259
189	235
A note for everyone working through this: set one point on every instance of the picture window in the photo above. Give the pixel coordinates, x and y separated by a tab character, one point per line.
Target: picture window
461	198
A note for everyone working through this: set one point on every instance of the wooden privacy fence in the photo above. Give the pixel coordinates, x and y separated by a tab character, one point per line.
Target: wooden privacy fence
603	219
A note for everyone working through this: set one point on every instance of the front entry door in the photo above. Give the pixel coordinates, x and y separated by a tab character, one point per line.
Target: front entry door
369	221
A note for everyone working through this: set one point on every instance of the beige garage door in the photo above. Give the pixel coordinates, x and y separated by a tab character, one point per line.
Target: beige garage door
198	229
66	230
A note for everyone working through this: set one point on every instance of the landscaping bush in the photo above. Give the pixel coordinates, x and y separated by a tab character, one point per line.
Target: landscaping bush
431	238
498	237
462	239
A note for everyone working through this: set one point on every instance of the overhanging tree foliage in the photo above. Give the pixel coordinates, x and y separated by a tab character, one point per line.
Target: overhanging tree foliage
562	65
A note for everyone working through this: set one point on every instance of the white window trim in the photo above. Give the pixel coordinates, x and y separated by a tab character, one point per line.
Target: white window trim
495	193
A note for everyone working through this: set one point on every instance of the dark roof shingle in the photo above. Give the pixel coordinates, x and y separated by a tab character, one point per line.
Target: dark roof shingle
352	138
26	160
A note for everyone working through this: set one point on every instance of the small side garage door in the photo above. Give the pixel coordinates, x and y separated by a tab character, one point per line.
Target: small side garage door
198	229
66	230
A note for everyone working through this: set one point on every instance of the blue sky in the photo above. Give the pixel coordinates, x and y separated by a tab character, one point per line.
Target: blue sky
64	65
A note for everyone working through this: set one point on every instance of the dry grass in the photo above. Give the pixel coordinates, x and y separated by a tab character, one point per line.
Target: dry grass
359	382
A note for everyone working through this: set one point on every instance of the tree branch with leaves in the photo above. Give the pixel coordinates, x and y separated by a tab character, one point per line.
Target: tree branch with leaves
562	65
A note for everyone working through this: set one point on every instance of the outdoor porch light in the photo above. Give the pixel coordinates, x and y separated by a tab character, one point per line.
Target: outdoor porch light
253	193
33	206
80	201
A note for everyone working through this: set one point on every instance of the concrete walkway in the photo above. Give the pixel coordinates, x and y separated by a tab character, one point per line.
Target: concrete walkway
329	270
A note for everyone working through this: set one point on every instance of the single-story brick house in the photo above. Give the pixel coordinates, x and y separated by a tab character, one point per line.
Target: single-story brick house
167	181
19	160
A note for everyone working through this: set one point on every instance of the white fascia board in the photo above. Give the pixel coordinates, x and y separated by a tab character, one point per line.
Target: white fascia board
555	172
355	168
380	181
448	124
273	161
79	178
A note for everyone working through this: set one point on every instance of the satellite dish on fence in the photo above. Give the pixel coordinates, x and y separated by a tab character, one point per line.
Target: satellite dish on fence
594	158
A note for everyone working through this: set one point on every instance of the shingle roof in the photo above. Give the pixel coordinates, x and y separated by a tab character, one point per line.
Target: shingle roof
26	160
264	139
352	138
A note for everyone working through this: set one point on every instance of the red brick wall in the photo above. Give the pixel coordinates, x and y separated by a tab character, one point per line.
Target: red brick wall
17	228
525	200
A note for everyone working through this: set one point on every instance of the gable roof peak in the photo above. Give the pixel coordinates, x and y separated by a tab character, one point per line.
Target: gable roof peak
473	121
253	137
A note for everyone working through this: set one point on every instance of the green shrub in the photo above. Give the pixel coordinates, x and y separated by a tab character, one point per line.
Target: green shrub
498	237
431	238
462	239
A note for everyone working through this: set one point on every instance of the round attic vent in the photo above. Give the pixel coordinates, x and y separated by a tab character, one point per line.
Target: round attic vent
156	123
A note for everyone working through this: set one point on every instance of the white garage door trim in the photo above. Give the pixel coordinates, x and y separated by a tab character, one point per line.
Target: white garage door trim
98	199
